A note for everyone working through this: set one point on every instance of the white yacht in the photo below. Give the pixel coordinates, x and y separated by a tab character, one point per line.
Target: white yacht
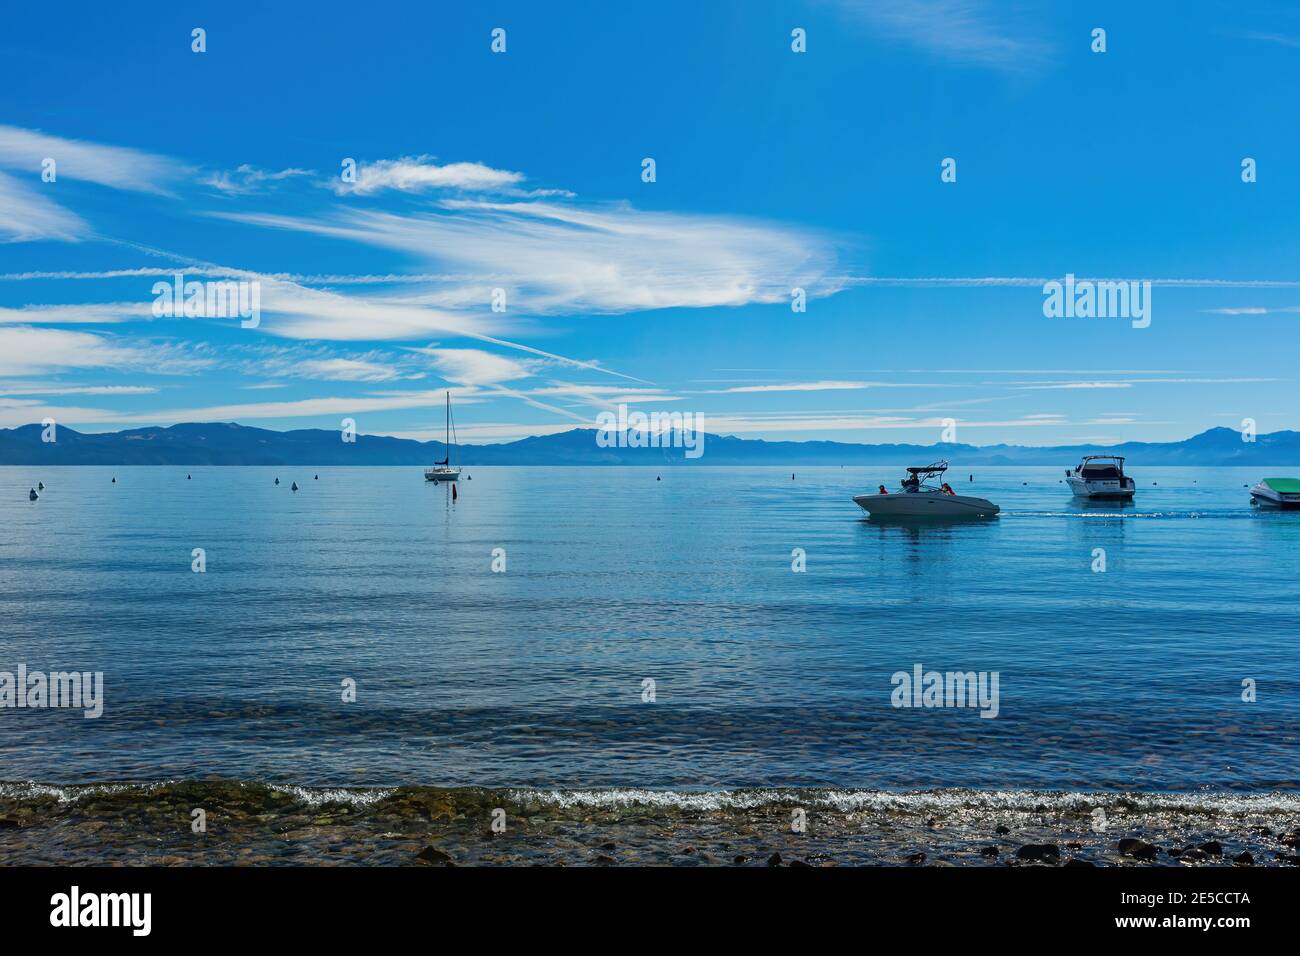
924	494
1100	476
1277	493
444	470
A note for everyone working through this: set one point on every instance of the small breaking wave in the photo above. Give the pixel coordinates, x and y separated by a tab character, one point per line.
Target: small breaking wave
317	796
929	802
926	801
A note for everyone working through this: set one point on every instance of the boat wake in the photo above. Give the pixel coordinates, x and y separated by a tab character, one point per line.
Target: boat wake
1109	515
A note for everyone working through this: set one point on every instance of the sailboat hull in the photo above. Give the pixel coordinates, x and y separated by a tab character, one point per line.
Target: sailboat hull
441	474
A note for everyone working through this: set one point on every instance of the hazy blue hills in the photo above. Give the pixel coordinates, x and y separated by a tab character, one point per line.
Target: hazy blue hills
231	444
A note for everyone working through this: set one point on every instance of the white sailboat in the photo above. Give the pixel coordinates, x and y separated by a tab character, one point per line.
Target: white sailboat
444	470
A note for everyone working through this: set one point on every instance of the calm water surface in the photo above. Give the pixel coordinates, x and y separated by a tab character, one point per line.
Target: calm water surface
1130	678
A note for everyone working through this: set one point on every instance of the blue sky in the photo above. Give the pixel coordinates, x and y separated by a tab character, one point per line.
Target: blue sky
522	171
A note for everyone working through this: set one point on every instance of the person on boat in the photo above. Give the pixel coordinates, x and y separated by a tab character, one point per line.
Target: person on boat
911	484
883	491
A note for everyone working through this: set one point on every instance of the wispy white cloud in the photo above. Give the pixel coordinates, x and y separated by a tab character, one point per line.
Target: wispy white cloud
27	215
114	166
246	179
972	32
1073	385
1128	383
31	351
476	366
825	385
94	313
321	363
16	388
556	258
1281	39
420	173
301	408
1254	310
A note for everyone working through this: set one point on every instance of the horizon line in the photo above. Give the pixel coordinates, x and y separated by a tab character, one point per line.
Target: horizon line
592	428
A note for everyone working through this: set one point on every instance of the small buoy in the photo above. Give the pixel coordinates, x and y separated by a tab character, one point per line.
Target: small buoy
40	486
115	479
295	486
1155	482
657	478
189	477
32	495
469	477
1024	482
277	481
971	478
792	477
315	478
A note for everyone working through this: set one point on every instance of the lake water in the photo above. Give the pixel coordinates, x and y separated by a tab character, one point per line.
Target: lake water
534	677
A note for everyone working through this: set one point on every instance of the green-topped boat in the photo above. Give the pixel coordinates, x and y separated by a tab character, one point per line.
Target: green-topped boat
1277	493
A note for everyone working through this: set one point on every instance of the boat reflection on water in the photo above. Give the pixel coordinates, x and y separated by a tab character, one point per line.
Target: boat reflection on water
927	542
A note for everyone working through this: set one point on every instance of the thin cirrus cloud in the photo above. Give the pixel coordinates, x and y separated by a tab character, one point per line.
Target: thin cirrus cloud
820	386
1254	310
301	408
968	32
118	167
27	211
552	255
558	258
26	215
36	388
336	369
95	313
36	351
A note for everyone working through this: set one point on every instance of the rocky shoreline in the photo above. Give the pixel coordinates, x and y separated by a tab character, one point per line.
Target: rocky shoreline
232	823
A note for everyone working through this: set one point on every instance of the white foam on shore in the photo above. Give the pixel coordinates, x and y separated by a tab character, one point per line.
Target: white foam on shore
318	796
938	801
30	790
309	796
707	801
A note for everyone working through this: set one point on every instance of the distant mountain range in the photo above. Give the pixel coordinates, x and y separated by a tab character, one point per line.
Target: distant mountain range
231	444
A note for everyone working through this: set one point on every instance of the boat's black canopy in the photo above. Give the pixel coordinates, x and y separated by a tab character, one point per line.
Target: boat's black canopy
938	468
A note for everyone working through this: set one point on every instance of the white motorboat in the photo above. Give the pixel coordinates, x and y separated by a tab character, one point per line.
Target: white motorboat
924	494
444	470
1100	476
1277	493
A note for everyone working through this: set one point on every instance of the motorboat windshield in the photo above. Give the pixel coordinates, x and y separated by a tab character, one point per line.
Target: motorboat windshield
926	478
1101	468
